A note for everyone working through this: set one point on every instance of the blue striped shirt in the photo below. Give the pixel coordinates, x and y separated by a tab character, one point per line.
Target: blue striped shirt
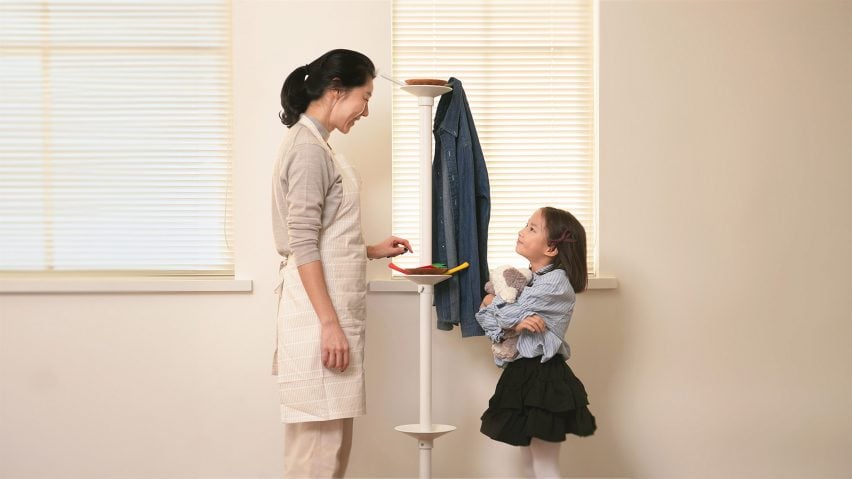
550	296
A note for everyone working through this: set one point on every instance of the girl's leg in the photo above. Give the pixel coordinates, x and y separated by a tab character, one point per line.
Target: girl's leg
545	458
526	457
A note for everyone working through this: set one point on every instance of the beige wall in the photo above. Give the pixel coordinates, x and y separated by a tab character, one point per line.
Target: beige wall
726	156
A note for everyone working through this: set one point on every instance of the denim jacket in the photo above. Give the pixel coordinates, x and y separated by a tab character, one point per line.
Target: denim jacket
461	209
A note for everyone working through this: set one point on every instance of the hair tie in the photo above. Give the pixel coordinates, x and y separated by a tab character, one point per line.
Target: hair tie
567	237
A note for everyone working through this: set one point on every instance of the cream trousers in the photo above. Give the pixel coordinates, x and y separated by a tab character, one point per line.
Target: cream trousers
317	449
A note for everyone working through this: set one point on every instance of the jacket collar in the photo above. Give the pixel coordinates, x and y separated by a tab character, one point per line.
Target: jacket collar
451	107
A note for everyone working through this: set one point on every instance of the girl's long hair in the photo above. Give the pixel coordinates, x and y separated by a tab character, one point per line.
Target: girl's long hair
569	237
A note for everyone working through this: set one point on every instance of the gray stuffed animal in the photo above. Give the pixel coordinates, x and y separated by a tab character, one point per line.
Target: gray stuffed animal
507	282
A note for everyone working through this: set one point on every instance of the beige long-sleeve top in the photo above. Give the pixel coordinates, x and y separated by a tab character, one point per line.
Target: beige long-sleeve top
306	193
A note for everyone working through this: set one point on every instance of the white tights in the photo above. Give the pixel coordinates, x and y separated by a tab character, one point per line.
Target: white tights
541	459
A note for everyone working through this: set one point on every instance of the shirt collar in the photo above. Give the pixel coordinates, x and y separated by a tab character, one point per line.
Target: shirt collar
320	128
545	269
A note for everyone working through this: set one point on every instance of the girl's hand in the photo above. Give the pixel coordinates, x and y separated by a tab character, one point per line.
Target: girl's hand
486	300
389	247
533	324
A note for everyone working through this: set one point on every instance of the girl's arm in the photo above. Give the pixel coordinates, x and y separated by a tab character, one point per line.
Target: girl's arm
493	322
533	324
547	299
488	322
487	300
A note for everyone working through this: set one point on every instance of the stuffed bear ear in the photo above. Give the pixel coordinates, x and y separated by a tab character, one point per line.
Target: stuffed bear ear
489	287
515	277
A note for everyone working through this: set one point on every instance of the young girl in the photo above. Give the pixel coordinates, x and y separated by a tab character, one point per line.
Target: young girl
538	400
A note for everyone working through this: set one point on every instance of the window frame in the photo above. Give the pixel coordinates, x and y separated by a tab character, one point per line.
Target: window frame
135	42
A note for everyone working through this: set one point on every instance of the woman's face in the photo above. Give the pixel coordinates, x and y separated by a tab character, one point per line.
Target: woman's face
351	106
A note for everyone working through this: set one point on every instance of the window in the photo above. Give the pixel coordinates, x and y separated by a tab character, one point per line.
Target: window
115	137
529	71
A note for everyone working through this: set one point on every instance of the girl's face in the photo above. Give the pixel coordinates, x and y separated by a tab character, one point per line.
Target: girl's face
351	106
532	242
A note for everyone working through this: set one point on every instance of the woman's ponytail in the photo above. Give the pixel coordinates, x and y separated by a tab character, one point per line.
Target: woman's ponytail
294	96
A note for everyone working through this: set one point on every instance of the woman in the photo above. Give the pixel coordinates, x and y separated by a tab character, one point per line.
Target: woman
321	285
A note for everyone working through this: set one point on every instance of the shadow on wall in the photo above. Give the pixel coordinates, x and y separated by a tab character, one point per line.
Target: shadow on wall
598	336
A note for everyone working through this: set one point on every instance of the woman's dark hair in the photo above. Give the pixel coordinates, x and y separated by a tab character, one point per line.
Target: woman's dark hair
569	237
337	69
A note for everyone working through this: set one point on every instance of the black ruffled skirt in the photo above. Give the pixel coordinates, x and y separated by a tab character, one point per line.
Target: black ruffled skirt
532	399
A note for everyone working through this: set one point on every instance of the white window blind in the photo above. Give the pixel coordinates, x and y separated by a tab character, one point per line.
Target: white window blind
528	69
115	137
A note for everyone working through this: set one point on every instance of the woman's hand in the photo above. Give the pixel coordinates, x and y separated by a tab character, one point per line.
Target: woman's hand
533	324
486	300
389	247
334	347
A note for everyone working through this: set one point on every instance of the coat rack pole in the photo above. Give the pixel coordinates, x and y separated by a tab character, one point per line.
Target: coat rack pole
425	108
427	291
426	432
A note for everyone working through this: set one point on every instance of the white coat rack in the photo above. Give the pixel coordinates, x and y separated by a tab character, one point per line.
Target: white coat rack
425	432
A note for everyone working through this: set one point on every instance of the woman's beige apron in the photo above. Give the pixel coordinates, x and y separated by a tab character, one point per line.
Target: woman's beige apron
308	390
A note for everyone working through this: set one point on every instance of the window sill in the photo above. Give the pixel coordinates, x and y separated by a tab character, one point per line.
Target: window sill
400	285
124	285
